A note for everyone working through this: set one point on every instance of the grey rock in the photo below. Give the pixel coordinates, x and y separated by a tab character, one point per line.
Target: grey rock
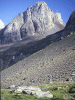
58	88
36	20
12	86
44	88
34	91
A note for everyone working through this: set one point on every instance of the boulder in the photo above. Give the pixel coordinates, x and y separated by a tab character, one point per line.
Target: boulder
38	93
34	91
12	86
44	88
58	88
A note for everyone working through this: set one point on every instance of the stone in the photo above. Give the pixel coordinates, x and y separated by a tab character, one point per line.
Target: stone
58	88
12	86
38	93
34	91
29	88
44	88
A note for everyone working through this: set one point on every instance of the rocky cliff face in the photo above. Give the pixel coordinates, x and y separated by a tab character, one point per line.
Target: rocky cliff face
36	20
2	25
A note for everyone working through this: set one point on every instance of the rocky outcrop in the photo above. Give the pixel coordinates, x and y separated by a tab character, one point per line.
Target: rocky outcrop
37	20
34	91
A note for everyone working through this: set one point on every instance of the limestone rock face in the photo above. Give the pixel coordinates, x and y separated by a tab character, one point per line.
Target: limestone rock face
36	20
2	25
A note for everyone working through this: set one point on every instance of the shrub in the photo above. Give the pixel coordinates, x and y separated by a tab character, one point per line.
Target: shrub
72	89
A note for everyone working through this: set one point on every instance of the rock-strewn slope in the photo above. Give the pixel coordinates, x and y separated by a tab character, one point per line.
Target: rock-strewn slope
54	63
36	20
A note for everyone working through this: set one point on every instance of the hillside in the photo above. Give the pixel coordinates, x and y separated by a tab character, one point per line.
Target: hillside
54	63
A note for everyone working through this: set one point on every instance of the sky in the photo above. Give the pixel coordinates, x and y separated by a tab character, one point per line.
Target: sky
10	8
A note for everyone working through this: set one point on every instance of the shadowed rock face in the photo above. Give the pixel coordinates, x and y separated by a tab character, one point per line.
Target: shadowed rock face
70	26
71	22
36	20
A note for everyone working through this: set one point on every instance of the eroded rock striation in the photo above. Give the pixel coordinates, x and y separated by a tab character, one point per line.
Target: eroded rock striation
37	20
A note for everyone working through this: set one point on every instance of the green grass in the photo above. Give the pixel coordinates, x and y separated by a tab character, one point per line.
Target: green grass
67	92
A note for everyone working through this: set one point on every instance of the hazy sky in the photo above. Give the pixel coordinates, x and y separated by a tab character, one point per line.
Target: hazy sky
10	8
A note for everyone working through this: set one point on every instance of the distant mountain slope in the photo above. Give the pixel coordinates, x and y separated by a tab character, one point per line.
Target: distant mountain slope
55	63
37	20
71	22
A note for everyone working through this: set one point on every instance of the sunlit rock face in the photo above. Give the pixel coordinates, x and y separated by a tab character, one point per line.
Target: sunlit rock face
58	18
2	25
37	20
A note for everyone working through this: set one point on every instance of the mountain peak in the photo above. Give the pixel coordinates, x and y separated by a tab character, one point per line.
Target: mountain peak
38	20
40	3
2	25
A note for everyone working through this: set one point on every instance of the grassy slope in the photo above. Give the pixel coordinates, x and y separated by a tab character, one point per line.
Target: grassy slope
65	93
